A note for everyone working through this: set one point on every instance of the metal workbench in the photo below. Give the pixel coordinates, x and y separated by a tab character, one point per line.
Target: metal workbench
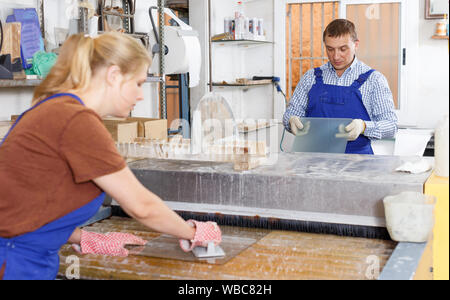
321	187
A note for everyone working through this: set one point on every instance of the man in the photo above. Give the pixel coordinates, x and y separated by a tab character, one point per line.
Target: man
345	88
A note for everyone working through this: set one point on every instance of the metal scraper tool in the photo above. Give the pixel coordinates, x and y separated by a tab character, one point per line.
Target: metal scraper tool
210	251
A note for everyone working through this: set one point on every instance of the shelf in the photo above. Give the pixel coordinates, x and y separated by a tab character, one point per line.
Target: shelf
249	128
154	79
5	83
217	84
112	13
242	42
440	37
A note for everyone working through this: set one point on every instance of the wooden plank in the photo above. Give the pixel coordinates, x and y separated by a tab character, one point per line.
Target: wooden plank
440	37
278	255
246	81
246	162
246	128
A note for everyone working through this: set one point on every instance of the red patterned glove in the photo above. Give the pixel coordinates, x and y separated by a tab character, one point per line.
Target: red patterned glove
205	233
110	244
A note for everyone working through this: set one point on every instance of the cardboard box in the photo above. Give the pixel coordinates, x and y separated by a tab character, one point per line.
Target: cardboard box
146	127
4	127
121	130
151	128
156	129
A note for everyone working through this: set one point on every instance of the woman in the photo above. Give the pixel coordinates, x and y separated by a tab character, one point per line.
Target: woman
58	160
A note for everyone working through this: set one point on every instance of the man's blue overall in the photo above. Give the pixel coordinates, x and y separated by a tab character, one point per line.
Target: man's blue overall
332	101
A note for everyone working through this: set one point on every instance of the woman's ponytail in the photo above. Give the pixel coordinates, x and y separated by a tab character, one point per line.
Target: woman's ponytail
80	68
72	70
80	57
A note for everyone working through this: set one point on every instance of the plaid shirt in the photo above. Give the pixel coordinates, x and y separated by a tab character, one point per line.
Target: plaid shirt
376	96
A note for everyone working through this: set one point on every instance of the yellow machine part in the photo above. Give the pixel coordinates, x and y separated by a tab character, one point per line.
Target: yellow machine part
438	186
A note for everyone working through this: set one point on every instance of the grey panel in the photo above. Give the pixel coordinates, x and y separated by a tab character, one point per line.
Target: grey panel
339	184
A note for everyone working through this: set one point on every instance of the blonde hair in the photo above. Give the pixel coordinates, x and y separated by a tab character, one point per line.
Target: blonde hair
80	57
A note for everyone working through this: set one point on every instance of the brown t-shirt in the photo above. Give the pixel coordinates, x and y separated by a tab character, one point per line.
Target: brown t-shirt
47	164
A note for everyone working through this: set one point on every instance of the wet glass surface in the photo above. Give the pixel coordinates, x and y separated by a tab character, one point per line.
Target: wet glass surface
165	246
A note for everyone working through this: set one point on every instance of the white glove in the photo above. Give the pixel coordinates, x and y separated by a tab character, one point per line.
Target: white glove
296	124
355	129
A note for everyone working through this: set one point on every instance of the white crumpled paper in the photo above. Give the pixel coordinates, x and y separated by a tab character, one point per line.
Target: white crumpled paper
417	167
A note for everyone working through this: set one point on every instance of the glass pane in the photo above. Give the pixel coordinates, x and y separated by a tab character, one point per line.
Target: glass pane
325	135
378	27
234	241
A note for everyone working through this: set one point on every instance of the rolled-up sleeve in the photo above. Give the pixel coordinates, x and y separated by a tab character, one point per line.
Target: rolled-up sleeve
299	101
384	123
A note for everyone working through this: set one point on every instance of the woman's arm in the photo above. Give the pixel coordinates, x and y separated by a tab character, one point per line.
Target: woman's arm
143	205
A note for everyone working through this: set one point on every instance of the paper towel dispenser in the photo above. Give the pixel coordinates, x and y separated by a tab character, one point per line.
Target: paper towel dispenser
183	52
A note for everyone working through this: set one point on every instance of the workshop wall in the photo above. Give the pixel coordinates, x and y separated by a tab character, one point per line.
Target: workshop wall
16	100
428	73
432	101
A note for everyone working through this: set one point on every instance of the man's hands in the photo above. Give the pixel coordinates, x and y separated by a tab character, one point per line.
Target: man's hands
355	129
296	124
351	132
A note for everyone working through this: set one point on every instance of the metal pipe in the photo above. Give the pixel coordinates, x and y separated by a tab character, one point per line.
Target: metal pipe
41	17
322	29
309	58
312	33
162	85
290	51
334	10
301	40
83	25
210	47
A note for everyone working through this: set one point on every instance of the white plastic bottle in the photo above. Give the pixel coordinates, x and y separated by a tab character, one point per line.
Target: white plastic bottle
253	28
227	25
261	28
239	22
441	148
246	34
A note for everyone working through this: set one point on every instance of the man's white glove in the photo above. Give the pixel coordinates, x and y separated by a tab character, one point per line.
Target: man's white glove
355	129
296	124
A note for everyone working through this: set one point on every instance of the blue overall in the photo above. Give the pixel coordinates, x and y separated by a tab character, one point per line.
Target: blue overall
332	101
34	255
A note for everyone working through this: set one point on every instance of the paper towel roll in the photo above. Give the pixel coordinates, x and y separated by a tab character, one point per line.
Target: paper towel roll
184	55
194	54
